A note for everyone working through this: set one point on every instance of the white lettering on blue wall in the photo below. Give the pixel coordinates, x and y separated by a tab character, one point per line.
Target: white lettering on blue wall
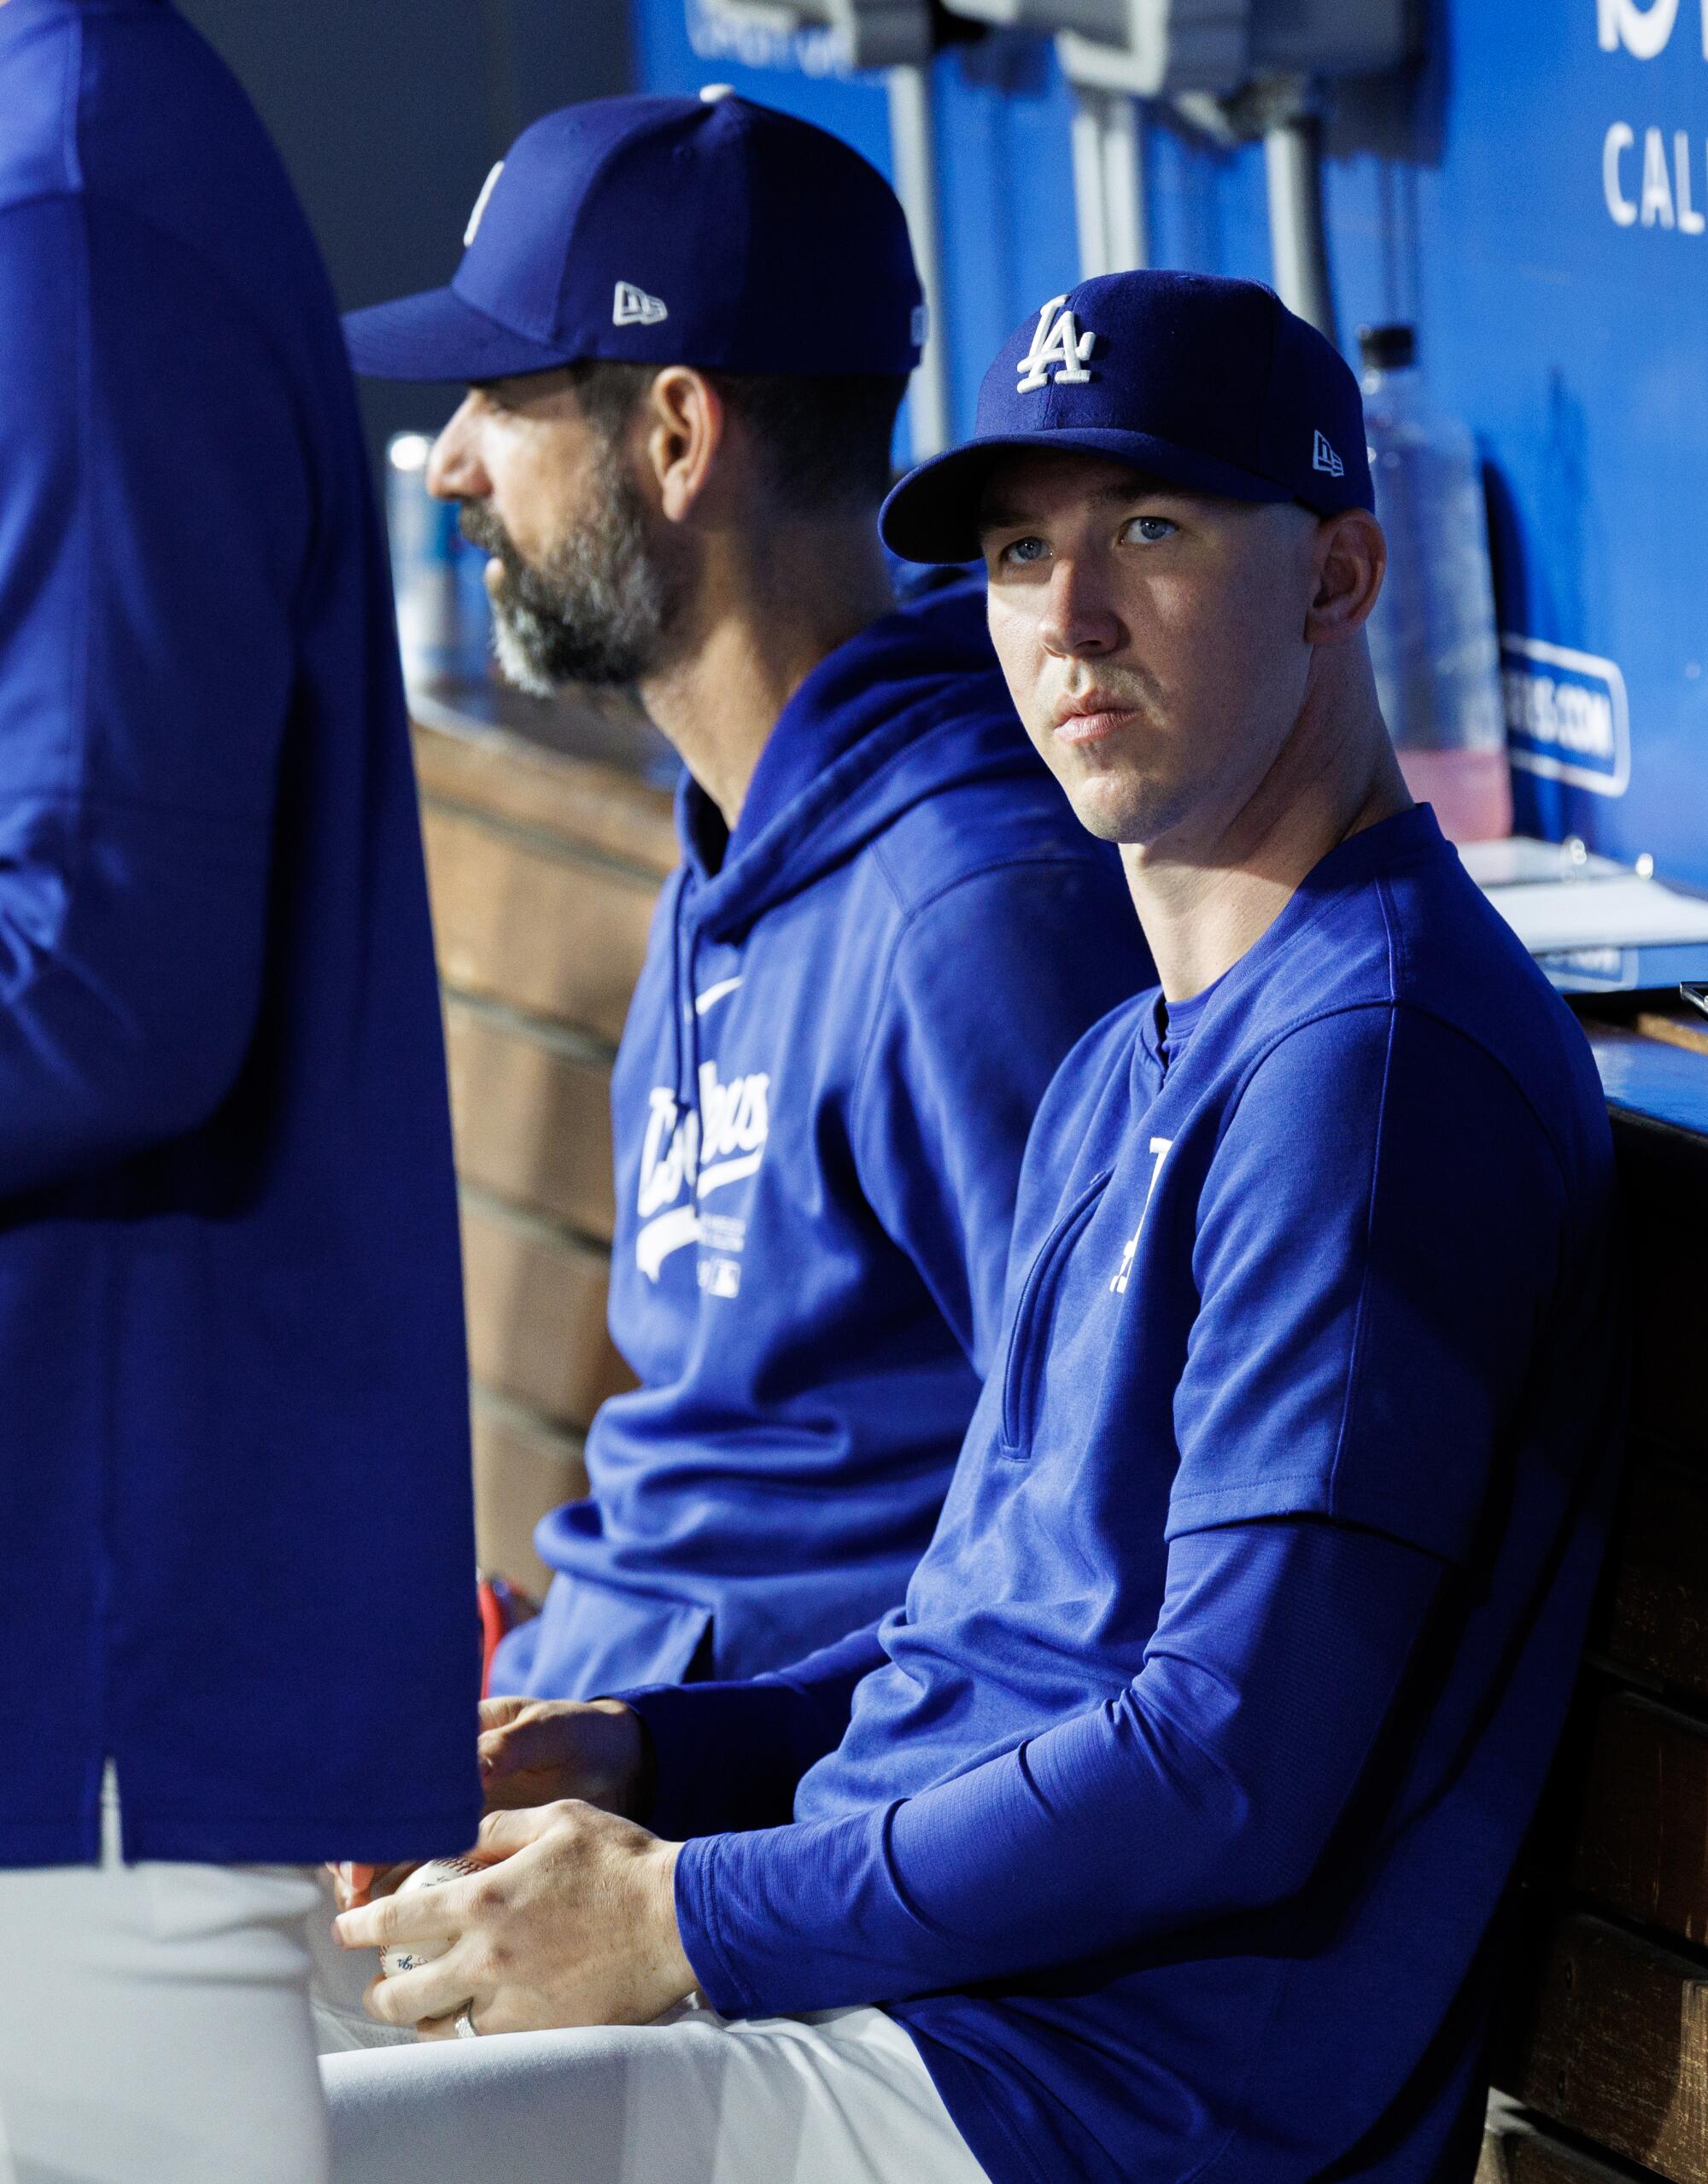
1645	187
1666	186
1567	715
1641	27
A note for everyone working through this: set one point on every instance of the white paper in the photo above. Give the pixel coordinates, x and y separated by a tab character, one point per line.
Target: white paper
1627	911
1516	857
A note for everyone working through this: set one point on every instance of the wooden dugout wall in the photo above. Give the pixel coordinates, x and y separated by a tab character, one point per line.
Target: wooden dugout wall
1607	2038
544	866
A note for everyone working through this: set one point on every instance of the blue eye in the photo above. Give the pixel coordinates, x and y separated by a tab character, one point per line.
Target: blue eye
1022	552
1150	529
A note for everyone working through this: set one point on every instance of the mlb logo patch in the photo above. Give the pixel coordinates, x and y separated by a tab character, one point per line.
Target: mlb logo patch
1324	458
633	307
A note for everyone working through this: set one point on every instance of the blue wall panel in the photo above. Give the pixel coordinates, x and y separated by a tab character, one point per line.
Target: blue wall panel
1005	198
681	45
1207	207
1566	320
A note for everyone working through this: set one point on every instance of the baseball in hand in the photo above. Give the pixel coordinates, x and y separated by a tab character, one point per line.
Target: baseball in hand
398	1956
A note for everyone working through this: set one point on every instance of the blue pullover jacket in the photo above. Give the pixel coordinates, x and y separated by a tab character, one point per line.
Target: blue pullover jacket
230	1324
1171	1813
849	1011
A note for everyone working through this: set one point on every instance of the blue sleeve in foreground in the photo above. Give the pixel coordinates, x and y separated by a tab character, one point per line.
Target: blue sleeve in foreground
155	528
728	1756
1211	1785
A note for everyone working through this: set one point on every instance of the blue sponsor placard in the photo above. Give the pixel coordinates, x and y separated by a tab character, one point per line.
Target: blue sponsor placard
1568	717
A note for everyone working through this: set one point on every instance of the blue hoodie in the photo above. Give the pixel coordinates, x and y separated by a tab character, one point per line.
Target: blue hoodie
849	1012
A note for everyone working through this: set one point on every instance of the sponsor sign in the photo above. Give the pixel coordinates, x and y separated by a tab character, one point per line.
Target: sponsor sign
758	43
1567	716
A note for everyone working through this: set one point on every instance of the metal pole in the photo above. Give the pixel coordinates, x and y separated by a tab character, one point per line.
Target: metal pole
1090	209
1124	184
913	145
1292	158
1109	181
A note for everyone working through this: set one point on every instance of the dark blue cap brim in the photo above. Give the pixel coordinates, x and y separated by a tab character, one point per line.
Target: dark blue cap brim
436	335
932	515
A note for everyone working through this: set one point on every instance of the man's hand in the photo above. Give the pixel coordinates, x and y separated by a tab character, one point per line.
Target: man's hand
353	1882
574	1923
537	1751
534	1752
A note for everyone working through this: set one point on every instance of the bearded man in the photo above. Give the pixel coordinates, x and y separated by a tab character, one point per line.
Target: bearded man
688	325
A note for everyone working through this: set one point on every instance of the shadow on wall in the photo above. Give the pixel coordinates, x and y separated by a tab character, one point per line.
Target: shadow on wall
389	116
1401	114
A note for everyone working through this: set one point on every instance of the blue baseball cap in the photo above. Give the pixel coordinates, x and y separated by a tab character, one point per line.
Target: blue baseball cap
708	231
1212	385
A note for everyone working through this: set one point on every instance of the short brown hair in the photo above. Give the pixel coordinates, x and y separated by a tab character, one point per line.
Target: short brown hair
828	440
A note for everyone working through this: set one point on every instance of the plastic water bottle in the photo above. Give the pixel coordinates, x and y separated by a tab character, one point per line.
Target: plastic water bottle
444	619
1432	637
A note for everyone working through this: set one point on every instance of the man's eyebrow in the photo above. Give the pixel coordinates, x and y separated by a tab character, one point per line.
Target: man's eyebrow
996	515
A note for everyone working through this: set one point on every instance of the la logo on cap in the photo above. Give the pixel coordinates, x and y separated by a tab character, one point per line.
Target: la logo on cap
633	307
1055	341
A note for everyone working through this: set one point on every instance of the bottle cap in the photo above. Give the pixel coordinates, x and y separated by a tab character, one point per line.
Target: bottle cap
1387	348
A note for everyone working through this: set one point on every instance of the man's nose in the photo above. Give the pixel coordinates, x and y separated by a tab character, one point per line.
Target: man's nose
454	469
1080	618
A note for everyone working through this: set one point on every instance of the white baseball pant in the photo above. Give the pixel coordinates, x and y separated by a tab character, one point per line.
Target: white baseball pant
839	2098
154	2024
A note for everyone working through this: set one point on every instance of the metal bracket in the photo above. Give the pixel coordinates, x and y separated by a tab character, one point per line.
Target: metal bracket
1159	49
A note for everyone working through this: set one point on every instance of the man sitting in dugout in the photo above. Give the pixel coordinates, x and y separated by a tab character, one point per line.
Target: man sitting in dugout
1160	1834
687	326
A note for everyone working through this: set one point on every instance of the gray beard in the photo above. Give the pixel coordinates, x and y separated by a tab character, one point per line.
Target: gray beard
599	611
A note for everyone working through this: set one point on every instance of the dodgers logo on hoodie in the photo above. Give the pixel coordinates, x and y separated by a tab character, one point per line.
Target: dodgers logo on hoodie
688	1155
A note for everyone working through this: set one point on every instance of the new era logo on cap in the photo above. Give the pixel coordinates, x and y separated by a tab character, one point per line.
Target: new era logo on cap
1324	458
634	307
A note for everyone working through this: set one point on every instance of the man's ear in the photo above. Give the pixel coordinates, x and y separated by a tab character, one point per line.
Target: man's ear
1350	560
683	425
